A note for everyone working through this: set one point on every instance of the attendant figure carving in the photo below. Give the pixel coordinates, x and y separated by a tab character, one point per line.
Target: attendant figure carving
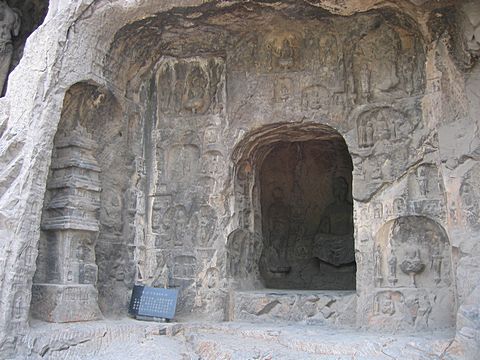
392	268
364	83
377	258
436	266
422	180
278	231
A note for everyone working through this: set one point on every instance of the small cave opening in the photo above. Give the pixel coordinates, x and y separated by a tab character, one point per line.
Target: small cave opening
18	20
307	216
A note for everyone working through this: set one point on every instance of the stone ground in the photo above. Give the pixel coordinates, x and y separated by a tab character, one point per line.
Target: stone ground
131	339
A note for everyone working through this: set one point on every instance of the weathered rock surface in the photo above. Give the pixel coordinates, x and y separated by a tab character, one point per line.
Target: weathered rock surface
233	147
131	340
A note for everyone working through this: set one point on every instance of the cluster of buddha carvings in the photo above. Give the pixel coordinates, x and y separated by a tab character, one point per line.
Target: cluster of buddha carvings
412	274
159	196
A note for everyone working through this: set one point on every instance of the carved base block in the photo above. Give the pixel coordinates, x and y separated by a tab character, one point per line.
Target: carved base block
312	307
65	303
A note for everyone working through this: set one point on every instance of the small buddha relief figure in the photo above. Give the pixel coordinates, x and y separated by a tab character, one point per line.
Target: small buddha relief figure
388	306
377	259
366	134
364	84
196	97
286	55
392	268
436	266
422	180
282	54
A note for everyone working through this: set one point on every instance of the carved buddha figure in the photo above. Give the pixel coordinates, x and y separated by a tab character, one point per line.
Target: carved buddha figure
388	306
286	54
364	83
196	93
181	223
334	239
278	229
422	179
278	221
338	215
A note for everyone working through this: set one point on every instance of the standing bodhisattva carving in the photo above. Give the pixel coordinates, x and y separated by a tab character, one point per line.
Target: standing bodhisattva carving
334	238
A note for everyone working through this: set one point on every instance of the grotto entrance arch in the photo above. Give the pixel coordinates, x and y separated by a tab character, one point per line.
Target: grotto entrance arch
294	210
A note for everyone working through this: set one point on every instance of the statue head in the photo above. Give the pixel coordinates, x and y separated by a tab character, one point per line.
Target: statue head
277	193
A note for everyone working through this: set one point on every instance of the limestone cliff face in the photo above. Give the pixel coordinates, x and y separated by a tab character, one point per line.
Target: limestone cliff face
227	136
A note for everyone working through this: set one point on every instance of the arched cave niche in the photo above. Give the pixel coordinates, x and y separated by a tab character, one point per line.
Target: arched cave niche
20	18
295	210
412	275
81	265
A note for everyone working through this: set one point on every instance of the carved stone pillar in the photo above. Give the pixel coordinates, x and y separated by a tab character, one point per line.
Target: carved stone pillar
66	290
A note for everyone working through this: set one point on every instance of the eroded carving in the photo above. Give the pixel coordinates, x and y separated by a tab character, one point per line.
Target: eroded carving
402	310
203	224
392	268
417	246
283	50
278	215
377	125
412	263
70	225
469	206
9	28
191	86
334	240
183	163
283	88
315	97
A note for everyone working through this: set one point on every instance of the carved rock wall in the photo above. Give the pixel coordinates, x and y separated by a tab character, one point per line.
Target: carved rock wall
194	91
364	77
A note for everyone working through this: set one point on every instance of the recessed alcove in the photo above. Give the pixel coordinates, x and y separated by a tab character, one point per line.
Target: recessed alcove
293	193
82	271
307	216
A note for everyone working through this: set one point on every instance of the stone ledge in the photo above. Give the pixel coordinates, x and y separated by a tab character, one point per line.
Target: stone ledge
311	307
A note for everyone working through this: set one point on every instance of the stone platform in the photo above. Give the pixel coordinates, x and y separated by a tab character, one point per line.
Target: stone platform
130	339
310	307
65	303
